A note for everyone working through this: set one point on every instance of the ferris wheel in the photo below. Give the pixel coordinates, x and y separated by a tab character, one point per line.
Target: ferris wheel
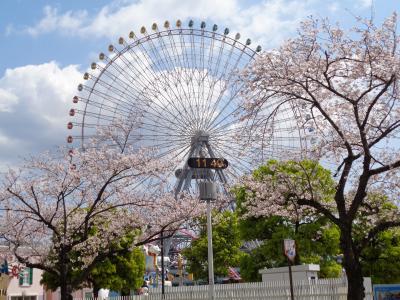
183	87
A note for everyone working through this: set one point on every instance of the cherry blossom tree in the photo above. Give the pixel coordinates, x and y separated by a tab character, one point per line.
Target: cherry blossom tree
63	203
344	86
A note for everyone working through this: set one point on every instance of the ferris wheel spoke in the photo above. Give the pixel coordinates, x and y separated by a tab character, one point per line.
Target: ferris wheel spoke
233	69
178	69
196	59
189	70
162	66
177	151
204	76
229	145
148	128
155	76
160	126
211	80
213	125
230	99
121	112
158	141
169	59
122	96
150	110
149	100
154	88
237	164
104	97
231	113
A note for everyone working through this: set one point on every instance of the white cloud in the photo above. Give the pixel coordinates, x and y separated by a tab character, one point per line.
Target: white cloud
334	7
7	100
364	3
4	140
267	21
42	89
9	30
36	114
52	21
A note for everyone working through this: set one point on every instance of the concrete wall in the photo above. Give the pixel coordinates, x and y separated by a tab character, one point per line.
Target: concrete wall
299	273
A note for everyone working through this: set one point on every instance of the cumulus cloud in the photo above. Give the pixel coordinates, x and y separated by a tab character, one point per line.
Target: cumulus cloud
53	21
7	100
334	7
34	103
268	21
365	3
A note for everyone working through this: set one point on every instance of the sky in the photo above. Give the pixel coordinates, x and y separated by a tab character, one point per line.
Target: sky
46	46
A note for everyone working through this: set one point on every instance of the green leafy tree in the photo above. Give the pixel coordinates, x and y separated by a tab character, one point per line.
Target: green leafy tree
316	238
121	271
317	243
226	246
381	259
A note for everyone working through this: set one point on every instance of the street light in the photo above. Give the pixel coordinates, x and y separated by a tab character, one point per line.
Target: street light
208	192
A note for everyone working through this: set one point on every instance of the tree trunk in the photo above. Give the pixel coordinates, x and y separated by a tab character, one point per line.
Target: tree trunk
96	289
65	289
125	292
352	266
297	259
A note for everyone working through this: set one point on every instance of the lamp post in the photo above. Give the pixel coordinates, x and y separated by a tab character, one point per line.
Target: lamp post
208	192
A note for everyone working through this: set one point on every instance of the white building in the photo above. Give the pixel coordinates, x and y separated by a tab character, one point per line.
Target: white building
25	287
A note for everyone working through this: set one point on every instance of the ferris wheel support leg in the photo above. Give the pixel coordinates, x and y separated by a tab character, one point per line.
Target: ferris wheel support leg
184	180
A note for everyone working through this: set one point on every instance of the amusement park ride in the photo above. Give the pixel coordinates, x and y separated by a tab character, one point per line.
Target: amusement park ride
185	85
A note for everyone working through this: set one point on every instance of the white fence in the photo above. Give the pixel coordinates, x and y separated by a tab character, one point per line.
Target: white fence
322	289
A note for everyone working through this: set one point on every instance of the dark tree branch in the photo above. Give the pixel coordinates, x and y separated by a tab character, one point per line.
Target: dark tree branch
382	226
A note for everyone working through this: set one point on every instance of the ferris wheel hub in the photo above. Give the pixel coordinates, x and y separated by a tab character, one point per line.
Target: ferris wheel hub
200	137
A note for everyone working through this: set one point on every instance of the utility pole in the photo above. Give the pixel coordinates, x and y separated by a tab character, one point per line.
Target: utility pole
289	251
162	264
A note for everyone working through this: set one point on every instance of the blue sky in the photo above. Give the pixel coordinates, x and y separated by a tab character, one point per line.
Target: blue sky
45	47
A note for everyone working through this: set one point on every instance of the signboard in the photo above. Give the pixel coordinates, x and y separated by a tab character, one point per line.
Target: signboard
13	269
207	163
289	249
386	291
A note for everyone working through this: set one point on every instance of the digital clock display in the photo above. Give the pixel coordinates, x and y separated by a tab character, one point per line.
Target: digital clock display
207	163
